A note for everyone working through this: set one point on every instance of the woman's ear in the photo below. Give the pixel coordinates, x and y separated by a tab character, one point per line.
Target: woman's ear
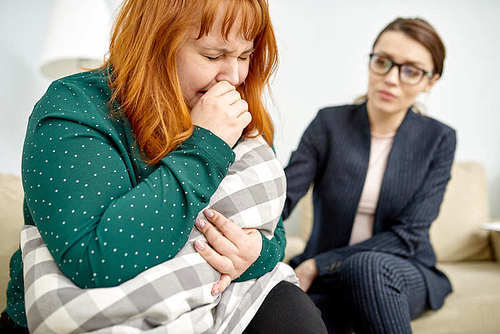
431	82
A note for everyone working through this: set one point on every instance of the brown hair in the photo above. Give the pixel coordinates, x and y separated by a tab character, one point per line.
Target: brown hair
142	54
421	31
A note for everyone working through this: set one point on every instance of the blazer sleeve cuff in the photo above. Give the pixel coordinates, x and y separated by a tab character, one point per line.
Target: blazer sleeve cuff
328	262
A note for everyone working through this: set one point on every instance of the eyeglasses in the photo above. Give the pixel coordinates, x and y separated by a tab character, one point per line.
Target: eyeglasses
408	74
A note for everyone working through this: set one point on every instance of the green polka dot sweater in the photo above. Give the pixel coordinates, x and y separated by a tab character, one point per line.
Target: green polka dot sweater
105	214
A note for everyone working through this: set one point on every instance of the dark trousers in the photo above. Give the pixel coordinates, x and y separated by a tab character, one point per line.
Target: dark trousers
9	326
287	310
371	293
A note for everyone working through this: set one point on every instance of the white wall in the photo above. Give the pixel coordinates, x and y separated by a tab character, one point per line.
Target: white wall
22	25
324	46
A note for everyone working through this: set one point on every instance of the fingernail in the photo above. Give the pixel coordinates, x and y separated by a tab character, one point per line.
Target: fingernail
199	245
215	291
209	213
199	223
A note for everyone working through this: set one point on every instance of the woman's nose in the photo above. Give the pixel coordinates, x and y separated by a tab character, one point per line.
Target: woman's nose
229	71
392	77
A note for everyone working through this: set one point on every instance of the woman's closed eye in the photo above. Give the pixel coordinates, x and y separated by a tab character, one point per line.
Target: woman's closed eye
244	57
213	58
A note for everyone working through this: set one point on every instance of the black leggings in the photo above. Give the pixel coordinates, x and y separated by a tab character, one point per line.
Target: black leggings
9	326
287	309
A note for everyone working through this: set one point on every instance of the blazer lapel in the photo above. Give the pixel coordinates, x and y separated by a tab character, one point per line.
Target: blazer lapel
398	184
357	159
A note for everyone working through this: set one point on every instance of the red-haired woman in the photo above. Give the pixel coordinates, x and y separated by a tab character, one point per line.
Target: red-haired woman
380	169
102	150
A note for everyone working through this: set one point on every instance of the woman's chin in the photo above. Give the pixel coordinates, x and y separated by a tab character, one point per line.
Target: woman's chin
385	106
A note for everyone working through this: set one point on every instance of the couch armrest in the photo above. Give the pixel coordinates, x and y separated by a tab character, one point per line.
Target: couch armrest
494	228
294	246
495	243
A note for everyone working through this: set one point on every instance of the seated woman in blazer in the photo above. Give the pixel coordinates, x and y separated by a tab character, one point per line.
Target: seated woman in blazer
379	169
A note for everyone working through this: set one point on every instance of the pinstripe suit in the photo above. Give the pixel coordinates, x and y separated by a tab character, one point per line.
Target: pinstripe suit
333	154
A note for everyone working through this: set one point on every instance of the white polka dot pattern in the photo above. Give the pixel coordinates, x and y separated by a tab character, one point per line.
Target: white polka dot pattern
104	214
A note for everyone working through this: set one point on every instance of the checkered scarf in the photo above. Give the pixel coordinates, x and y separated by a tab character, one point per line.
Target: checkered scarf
175	296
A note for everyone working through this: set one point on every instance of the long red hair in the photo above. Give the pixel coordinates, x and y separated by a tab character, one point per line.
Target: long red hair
142	55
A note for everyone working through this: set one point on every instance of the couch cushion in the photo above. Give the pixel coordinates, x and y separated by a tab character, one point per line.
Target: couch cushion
11	220
456	234
294	246
474	305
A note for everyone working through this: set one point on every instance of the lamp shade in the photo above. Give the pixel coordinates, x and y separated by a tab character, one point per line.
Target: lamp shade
77	36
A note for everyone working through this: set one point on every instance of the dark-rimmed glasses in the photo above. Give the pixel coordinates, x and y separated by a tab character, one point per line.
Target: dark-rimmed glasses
408	74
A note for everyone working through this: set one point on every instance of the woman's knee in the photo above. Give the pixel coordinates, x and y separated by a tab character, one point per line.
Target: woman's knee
287	309
369	273
361	264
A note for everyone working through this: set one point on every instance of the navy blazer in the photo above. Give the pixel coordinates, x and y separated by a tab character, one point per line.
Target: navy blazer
333	154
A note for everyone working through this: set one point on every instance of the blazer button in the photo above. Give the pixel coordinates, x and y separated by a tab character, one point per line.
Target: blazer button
334	266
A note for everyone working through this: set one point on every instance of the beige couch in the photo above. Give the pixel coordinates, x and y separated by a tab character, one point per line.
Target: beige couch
11	221
465	252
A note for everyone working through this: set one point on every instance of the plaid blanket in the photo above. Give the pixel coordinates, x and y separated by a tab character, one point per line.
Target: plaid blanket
175	296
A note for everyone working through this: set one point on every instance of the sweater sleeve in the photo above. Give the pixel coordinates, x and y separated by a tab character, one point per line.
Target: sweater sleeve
273	251
304	164
411	227
100	226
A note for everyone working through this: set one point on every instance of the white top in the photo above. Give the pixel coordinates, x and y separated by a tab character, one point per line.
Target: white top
362	228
